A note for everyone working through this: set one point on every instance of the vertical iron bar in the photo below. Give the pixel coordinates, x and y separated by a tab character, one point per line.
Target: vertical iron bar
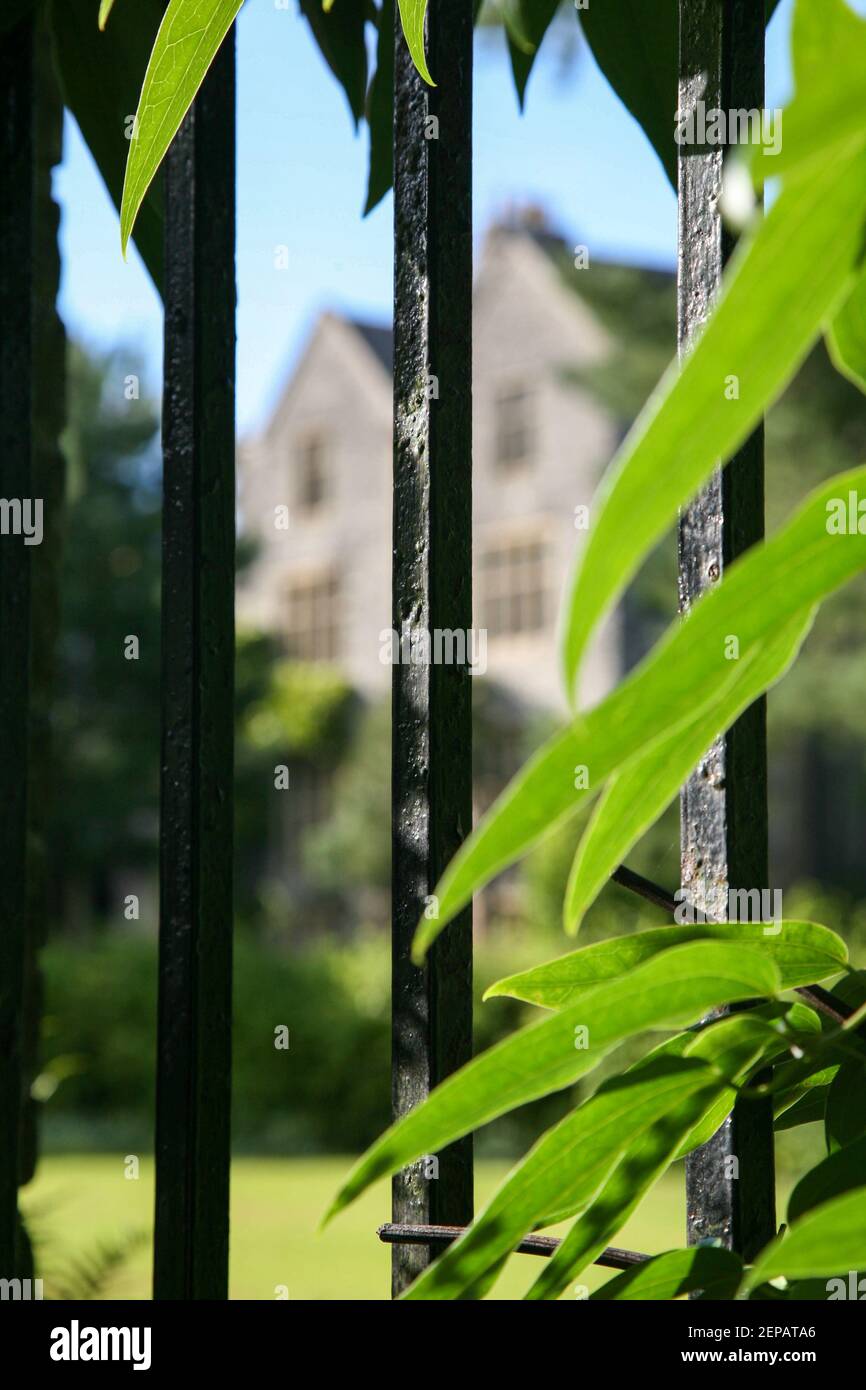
17	193
730	1186
195	953
432	589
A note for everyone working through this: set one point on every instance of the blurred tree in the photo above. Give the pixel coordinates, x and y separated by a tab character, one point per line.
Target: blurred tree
106	714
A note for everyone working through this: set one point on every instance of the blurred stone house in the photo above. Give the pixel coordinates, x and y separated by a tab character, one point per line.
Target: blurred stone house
315	490
316	483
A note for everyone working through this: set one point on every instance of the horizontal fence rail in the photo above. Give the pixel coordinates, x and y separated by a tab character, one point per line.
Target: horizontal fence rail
195	956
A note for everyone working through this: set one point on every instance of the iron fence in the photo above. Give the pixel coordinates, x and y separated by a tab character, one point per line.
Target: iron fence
724	817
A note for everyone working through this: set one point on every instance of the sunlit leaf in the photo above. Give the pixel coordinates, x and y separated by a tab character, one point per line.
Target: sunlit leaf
846	336
643	1164
839	1172
804	953
563	1170
105	8
775	581
823	117
827	1241
635	798
675	987
752	344
412	14
717	1272
188	40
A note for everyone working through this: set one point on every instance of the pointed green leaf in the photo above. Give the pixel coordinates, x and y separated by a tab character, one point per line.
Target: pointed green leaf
635	798
845	1118
804	953
412	15
187	42
759	334
717	1272
846	336
563	1170
105	8
805	1108
775	581
637	48
339	33
99	76
643	1164
830	1240
636	45
675	987
840	1172
380	111
824	115
526	23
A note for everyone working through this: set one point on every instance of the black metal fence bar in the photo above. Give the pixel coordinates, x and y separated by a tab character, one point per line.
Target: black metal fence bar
730	1180
432	589
17	192
194	1050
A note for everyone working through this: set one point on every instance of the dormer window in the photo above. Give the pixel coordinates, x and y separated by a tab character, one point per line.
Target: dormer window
312	472
513	431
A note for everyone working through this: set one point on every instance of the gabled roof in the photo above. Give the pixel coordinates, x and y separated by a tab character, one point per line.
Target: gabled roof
379	339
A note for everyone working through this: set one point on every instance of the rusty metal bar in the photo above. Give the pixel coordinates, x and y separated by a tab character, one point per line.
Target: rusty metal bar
440	1237
432	589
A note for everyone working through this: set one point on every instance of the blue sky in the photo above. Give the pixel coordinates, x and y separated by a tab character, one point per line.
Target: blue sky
301	183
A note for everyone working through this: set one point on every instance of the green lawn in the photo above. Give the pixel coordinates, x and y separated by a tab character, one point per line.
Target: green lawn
81	1202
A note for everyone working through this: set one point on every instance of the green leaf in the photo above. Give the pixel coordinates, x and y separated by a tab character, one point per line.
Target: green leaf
807	1109
846	336
526	23
840	1172
845	1119
775	581
637	46
825	116
646	1161
412	14
804	952
827	1241
187	42
675	987
715	1271
635	798
563	1170
105	8
759	333
99	77
339	32
380	111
